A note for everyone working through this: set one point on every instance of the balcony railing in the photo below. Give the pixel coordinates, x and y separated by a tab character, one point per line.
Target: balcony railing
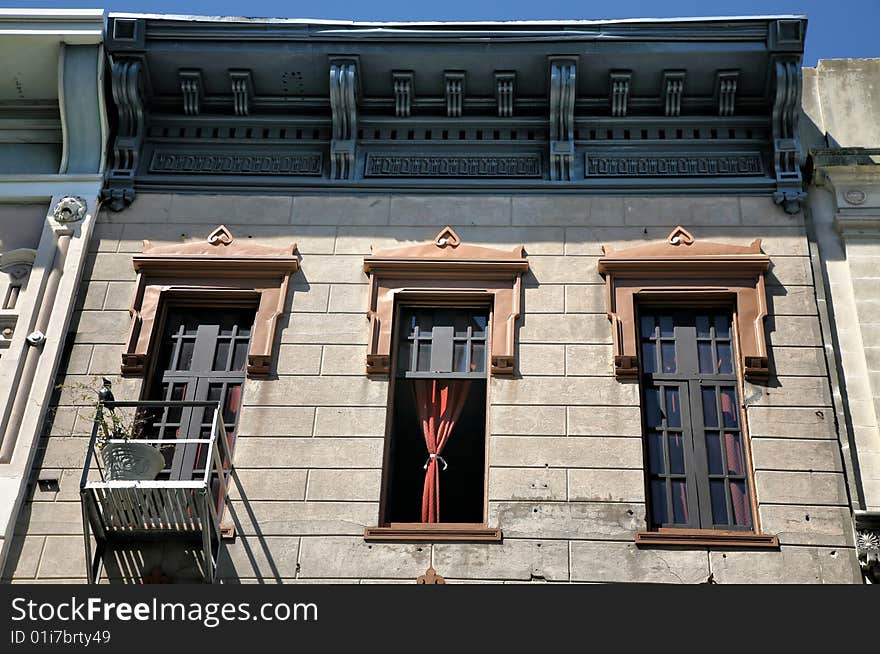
180	503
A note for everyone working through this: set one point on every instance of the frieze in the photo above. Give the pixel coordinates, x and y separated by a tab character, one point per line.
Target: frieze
481	165
227	163
674	165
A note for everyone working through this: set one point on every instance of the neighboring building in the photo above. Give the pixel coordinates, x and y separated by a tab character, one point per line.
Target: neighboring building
842	103
53	132
495	302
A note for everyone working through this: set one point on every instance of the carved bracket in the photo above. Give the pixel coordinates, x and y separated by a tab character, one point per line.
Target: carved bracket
343	103
242	83
673	88
619	87
787	159
192	90
562	94
445	269
868	550
725	90
684	269
219	270
17	263
403	82
505	83
128	83
454	84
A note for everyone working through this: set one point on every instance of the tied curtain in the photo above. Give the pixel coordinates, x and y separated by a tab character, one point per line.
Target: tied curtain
733	454
438	405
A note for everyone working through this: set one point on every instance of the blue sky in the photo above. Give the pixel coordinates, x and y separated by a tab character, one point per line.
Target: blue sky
837	29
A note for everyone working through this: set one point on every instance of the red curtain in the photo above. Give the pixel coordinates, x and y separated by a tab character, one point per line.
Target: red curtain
438	405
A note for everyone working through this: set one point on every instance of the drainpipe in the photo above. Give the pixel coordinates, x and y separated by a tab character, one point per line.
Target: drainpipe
35	342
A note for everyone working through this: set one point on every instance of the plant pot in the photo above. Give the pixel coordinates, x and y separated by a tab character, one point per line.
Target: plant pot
131	461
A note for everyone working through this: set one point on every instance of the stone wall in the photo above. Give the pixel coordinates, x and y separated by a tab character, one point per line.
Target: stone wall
565	480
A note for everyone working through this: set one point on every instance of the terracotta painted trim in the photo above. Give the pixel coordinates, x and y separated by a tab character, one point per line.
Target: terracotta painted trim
218	271
683	270
707	538
416	532
443	270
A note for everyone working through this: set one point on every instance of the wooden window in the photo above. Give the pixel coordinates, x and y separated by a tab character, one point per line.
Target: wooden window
202	357
695	450
448	344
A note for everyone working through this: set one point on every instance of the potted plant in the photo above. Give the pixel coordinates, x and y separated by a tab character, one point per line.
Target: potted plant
126	460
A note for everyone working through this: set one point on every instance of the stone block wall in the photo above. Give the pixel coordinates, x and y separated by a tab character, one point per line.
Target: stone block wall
566	481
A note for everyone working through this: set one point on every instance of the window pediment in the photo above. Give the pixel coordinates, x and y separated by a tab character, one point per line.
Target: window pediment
445	269
682	267
219	270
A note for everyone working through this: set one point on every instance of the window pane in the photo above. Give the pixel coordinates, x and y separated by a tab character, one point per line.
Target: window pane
656	464
404	352
673	407
741	514
733	452
187	347
233	402
719	503
728	407
679	501
703	326
240	355
676	454
710	409
666	326
424	364
478	325
649	357
713	450
461	324
725	358
704	350
425	322
221	354
478	356
722	327
407	325
658	502
459	356
668	351
647	326
652	406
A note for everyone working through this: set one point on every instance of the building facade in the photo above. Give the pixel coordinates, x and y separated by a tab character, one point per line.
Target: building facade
53	133
516	302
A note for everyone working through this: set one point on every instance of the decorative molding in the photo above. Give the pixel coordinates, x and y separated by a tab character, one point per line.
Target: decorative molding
445	268
403	82
673	89
464	165
453	81
127	81
787	159
242	83
855	196
70	209
725	90
192	90
867	524
430	577
674	164
343	103
563	72
684	269
17	263
619	81
505	92
219	270
306	164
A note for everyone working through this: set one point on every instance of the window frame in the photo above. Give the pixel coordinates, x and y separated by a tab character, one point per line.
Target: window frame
441	532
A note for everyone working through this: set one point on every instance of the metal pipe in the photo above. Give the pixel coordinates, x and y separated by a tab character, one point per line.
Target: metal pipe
32	357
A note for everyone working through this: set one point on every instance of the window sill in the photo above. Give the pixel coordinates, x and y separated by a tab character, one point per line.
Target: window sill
705	538
416	532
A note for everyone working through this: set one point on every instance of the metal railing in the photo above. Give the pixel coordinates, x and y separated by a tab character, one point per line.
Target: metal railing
189	506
